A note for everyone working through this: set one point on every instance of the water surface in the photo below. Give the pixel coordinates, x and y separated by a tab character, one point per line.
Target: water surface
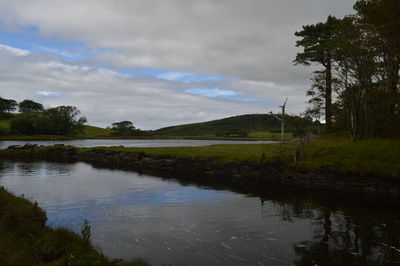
163	221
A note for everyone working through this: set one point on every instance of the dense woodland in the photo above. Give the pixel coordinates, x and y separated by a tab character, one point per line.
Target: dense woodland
356	90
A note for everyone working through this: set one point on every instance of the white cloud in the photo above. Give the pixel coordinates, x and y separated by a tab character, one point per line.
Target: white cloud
13	50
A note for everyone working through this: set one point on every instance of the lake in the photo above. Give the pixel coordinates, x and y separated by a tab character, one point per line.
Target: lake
164	221
129	142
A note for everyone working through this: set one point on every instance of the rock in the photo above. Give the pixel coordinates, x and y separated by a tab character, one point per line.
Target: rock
14	147
29	146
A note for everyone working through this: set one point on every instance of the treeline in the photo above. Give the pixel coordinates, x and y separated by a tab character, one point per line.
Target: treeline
126	128
35	119
357	89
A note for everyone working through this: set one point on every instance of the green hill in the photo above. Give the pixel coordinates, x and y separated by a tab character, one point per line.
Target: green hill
241	125
91	132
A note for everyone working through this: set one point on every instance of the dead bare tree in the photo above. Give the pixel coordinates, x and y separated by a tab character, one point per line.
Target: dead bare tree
281	118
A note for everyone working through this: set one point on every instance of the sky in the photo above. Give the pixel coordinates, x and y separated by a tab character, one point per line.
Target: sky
158	63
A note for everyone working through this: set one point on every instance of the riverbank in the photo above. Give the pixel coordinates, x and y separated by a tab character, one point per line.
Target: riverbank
26	240
367	169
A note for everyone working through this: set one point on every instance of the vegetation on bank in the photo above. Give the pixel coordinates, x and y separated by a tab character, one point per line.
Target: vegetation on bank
25	240
222	154
374	157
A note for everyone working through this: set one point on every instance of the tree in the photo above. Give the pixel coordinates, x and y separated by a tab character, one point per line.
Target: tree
7	105
317	43
64	120
29	106
382	17
61	120
123	128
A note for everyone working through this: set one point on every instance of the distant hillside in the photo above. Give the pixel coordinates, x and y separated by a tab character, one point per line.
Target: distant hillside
91	132
236	125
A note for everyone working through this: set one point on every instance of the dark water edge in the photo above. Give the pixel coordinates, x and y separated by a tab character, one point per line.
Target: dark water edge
346	231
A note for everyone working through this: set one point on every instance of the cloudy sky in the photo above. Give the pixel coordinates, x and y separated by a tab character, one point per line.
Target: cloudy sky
157	62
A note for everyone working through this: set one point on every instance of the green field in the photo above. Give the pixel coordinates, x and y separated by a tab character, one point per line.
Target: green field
92	132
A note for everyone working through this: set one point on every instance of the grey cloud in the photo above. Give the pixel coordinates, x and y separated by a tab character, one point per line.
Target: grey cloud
247	39
105	96
251	41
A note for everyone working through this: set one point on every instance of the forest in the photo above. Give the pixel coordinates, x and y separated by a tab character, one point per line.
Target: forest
356	88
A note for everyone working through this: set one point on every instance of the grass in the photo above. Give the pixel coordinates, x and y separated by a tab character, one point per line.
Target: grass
378	157
269	135
25	240
5	123
92	132
219	153
375	157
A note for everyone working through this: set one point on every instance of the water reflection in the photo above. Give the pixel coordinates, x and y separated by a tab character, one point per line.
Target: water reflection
345	236
164	221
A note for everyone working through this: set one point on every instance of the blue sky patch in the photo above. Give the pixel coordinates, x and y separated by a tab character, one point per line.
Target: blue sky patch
28	38
52	94
225	94
213	92
178	76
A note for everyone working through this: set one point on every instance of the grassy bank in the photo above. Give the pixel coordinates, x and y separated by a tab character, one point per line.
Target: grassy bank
25	240
220	153
375	157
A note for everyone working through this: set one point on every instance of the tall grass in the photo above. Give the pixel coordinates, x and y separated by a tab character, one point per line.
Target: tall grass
380	157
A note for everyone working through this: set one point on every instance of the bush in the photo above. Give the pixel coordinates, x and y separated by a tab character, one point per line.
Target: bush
5	131
6	116
60	120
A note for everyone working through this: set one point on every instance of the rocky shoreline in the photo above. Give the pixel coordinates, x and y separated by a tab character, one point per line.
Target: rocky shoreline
243	176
